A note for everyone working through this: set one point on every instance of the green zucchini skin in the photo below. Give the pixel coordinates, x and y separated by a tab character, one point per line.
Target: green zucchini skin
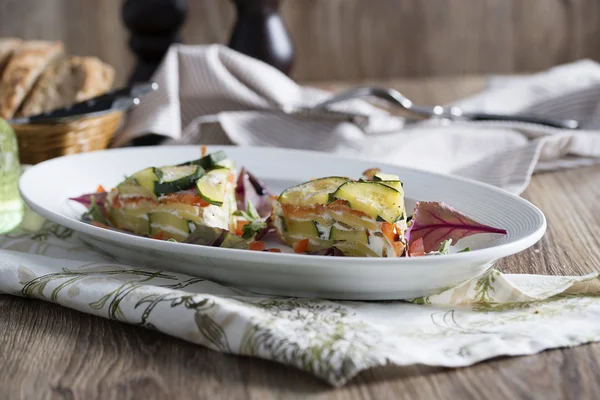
153	182
186	177
156	181
209	161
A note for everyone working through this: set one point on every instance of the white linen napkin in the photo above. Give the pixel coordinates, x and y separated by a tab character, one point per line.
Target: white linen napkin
492	315
214	95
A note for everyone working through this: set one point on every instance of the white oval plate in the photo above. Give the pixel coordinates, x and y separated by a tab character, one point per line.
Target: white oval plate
46	188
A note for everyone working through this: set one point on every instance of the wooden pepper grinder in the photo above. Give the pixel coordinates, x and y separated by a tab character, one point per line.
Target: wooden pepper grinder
154	26
260	33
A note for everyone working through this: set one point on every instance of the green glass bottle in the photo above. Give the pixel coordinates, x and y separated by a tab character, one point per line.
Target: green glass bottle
11	205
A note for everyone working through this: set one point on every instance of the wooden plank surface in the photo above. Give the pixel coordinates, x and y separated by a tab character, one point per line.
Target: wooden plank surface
48	352
350	39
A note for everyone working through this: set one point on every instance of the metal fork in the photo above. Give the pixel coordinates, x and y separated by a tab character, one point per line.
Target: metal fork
454	113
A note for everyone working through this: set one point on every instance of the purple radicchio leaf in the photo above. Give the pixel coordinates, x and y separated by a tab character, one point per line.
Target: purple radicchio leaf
86	199
435	222
250	188
95	203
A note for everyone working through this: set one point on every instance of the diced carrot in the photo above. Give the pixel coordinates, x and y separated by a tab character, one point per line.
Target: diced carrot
274	250
398	247
239	225
389	231
231	178
203	151
258	246
301	246
100	189
188	198
159	236
100	225
416	248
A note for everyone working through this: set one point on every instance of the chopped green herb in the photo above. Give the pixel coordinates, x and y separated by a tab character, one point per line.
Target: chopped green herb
255	222
94	213
445	247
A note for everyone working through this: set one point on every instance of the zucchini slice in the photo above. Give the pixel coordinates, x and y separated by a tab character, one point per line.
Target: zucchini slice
376	199
172	226
226	163
390	180
380	176
303	229
312	192
130	221
141	183
212	186
130	186
175	179
209	161
348	235
182	210
146	178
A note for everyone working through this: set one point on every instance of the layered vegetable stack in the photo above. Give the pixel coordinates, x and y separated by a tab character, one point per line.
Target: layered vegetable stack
202	202
170	202
360	218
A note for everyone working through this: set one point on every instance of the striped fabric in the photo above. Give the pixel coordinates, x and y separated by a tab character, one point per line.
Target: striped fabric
214	95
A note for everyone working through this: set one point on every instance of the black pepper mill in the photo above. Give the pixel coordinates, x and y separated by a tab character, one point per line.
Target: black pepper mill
260	33
154	26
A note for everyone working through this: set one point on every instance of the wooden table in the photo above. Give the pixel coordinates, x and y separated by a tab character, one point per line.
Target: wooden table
47	351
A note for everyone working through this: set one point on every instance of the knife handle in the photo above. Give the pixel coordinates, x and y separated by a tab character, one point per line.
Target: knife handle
532	119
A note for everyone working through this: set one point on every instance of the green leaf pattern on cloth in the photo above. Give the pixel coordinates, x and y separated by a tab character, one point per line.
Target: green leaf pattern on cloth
494	314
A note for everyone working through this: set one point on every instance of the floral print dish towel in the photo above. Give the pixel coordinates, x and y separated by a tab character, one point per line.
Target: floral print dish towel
492	315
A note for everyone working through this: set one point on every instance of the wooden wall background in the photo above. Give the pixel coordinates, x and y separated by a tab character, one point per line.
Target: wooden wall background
350	39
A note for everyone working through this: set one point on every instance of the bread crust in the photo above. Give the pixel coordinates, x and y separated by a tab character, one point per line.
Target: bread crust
7	48
23	70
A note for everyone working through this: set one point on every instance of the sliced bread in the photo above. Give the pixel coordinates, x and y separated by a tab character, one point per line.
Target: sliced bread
92	77
23	70
7	47
54	89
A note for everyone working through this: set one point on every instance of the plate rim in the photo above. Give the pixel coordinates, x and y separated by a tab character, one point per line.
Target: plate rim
489	253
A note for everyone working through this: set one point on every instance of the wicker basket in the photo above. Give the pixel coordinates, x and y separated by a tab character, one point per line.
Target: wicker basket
41	142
